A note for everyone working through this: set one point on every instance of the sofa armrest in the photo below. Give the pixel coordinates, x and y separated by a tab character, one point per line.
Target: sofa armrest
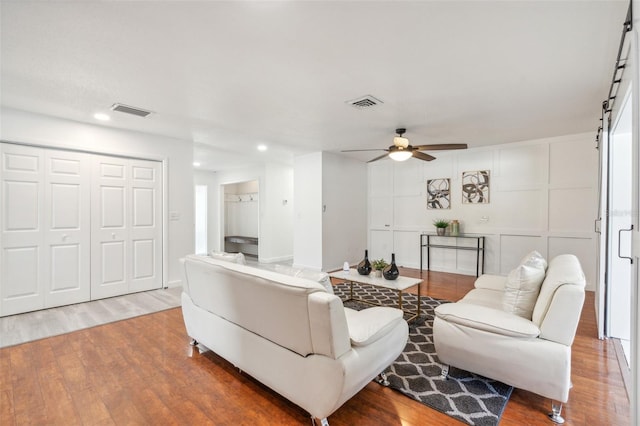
491	282
487	319
368	325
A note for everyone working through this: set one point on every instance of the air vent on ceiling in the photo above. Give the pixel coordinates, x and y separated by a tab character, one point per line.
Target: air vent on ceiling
366	101
130	110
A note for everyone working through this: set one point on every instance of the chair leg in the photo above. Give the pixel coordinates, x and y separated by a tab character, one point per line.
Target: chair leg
556	410
444	374
323	422
382	379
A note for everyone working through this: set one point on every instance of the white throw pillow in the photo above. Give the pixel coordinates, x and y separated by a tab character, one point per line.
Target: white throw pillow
534	259
319	277
521	290
229	257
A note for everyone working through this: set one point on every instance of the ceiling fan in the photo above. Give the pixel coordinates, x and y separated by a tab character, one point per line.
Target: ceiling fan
401	150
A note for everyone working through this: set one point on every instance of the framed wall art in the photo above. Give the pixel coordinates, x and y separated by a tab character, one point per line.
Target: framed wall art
439	193
475	187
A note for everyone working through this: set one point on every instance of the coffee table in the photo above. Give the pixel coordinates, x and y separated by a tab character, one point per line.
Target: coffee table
400	284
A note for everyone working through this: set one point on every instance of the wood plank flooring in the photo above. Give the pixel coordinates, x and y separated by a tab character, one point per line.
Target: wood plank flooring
142	371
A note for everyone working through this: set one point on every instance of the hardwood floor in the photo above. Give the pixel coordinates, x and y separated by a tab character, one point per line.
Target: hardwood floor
143	371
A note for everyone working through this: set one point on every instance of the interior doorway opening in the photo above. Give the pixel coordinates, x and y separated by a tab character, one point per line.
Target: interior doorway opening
242	218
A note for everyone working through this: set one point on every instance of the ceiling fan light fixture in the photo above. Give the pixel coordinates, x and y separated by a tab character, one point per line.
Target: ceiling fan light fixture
399	141
400	155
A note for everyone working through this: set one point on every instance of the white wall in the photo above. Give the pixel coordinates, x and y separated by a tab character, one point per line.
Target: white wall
307	193
344	221
202	177
543	196
20	126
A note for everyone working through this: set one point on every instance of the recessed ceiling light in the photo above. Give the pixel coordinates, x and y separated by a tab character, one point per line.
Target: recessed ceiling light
101	116
262	148
196	164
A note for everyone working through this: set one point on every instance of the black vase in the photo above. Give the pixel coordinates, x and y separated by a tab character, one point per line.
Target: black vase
364	267
391	272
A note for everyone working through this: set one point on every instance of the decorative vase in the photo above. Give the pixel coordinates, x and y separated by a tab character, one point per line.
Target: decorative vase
455	228
364	267
391	272
440	231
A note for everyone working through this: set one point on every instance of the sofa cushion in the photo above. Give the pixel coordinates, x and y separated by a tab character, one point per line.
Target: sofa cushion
521	290
368	325
487	319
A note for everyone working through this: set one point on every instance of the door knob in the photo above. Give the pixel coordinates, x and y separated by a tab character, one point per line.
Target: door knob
64	237
113	235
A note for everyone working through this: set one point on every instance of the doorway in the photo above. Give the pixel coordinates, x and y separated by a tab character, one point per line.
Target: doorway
241	218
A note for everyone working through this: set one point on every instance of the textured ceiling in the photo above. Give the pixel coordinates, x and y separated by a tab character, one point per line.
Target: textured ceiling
231	75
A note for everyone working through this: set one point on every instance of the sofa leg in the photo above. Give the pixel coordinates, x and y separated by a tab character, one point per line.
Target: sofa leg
444	374
554	415
323	422
382	379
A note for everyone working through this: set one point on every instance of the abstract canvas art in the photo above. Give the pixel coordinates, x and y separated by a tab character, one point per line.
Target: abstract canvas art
475	187
439	193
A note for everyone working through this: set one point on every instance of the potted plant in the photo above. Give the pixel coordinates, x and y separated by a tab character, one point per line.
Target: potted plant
441	226
378	266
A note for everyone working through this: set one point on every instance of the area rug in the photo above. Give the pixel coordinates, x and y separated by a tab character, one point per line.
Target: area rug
465	396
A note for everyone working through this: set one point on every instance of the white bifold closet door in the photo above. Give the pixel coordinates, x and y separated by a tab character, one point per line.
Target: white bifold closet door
45	228
126	242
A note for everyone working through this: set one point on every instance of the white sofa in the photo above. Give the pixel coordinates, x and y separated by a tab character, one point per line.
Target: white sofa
288	332
530	350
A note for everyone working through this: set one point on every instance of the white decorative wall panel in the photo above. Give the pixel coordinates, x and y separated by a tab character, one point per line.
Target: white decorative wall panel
113	270
407	178
380	244
566	164
380	179
143	207
65	206
405	246
21	162
522	210
65	267
572	210
61	166
112	170
409	212
21	204
113	206
522	167
143	262
514	247
20	277
380	212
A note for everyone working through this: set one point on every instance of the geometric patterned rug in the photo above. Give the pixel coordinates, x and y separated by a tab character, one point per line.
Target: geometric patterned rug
465	396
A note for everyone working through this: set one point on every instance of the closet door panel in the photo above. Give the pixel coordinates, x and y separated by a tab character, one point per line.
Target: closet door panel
22	264
68	227
110	234
146	225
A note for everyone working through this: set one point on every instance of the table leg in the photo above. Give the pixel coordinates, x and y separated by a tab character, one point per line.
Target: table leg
418	310
400	300
351	290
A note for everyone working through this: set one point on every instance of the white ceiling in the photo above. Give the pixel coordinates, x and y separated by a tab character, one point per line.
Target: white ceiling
232	75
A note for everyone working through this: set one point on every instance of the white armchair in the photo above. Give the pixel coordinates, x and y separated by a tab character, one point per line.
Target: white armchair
491	331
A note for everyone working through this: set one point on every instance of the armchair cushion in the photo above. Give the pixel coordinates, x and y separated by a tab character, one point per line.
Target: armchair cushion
521	290
368	325
487	319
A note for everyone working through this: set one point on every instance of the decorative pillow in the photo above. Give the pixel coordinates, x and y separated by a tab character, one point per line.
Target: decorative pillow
229	257
319	277
521	290
534	259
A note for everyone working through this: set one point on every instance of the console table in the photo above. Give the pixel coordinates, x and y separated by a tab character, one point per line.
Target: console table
426	240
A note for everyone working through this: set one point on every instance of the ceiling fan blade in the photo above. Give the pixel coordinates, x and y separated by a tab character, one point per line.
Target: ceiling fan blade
437	147
377	158
361	150
422	156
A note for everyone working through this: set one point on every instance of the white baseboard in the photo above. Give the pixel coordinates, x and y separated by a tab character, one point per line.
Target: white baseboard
276	259
174	283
